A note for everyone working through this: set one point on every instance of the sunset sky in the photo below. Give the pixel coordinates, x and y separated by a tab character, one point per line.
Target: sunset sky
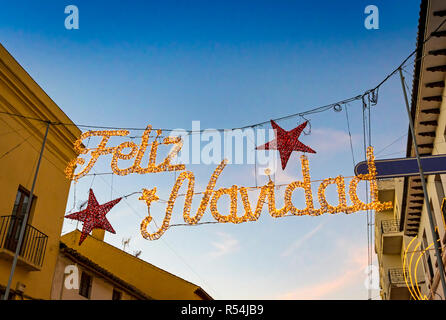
228	64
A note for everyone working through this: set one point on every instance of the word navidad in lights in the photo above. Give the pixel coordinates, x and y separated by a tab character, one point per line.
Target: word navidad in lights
210	197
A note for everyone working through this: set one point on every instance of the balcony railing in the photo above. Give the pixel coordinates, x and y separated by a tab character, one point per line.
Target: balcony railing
33	245
396	276
397	288
390	226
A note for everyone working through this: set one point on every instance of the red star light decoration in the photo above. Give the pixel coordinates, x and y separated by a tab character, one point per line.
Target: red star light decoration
93	217
286	142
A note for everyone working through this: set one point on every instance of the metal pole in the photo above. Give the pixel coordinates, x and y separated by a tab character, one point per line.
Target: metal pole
426	197
25	218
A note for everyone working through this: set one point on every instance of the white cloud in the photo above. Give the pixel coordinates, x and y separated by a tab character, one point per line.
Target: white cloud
226	245
299	242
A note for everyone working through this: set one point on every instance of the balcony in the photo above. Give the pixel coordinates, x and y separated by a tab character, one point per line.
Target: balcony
392	237
397	288
34	243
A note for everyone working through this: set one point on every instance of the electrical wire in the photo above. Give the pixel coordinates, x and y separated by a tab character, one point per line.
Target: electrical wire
370	222
364	128
334	105
390	144
350	136
300	114
319	109
15	147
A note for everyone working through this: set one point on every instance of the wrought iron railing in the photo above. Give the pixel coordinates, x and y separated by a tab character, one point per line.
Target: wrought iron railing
34	242
390	226
396	276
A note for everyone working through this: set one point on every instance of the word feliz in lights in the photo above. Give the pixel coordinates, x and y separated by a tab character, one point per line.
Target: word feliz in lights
210	197
118	154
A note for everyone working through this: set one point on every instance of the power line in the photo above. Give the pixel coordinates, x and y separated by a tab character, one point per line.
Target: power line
324	108
393	153
315	110
350	136
334	105
299	114
364	129
390	144
20	143
15	147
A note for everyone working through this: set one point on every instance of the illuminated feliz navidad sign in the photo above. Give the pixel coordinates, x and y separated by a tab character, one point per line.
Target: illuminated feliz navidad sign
286	142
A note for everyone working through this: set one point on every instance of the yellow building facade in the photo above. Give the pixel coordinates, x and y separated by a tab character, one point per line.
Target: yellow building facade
403	237
20	143
154	282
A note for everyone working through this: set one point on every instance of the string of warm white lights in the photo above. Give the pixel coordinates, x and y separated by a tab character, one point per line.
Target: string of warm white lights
252	188
118	154
212	196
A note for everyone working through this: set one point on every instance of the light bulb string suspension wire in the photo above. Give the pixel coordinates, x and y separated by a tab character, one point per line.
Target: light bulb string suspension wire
252	188
336	105
365	106
262	202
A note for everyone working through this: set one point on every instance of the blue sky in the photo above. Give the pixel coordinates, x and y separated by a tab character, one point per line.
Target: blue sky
227	64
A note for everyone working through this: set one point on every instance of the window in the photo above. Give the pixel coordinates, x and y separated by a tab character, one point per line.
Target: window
21	202
117	295
85	285
17	217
